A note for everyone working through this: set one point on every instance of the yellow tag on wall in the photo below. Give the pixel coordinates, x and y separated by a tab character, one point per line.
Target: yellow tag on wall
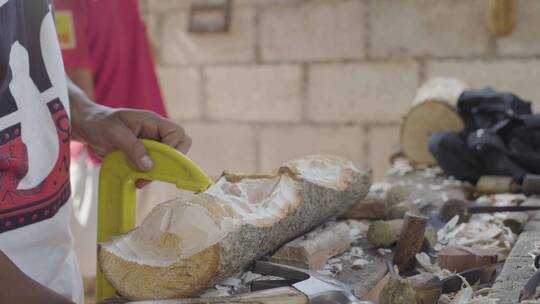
65	29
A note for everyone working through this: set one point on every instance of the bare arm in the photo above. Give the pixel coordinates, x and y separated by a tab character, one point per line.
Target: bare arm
105	129
83	78
17	287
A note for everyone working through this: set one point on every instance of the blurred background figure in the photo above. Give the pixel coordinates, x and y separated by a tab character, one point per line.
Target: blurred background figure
107	54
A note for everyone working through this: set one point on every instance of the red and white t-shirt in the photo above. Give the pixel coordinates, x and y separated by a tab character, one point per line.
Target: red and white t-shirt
34	148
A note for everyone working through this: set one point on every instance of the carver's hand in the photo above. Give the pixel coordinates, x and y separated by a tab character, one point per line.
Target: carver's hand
108	129
105	129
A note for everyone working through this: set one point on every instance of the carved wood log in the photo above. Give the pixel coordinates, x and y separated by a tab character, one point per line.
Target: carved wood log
433	110
312	250
410	241
193	242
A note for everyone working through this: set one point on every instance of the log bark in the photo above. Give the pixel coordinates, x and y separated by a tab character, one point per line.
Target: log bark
312	250
410	241
196	241
433	110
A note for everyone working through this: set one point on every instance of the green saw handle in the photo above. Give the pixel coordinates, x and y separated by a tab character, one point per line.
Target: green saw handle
117	193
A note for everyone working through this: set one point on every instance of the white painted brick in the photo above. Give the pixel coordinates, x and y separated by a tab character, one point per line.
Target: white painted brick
154	35
427	27
166	5
518	76
524	40
283	143
254	93
181	91
220	147
382	140
182	47
313	31
372	92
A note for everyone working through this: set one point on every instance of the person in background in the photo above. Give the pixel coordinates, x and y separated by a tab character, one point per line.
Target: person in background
40	111
107	54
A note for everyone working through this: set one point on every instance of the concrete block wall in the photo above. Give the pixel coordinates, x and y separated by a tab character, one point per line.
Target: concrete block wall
294	77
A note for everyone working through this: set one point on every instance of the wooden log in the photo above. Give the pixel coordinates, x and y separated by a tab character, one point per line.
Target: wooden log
194	242
458	259
493	184
312	250
419	289
410	241
384	233
373	207
433	110
501	17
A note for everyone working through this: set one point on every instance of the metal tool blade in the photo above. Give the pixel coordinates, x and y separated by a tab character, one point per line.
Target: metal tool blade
490	209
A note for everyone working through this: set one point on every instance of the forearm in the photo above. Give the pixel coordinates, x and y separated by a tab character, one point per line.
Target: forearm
84	79
17	287
82	109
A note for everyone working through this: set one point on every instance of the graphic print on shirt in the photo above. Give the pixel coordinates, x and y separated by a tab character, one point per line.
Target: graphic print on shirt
34	116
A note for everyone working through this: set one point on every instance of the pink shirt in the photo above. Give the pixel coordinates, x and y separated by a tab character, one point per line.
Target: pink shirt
110	39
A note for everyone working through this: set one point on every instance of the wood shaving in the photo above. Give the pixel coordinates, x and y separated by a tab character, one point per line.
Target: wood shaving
359	263
426	266
482	230
400	167
357	229
384	251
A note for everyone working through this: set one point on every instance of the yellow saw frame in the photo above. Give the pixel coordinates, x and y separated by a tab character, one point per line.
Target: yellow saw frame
117	193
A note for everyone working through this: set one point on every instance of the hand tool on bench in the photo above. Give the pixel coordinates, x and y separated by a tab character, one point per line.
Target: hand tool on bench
117	192
458	207
318	288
